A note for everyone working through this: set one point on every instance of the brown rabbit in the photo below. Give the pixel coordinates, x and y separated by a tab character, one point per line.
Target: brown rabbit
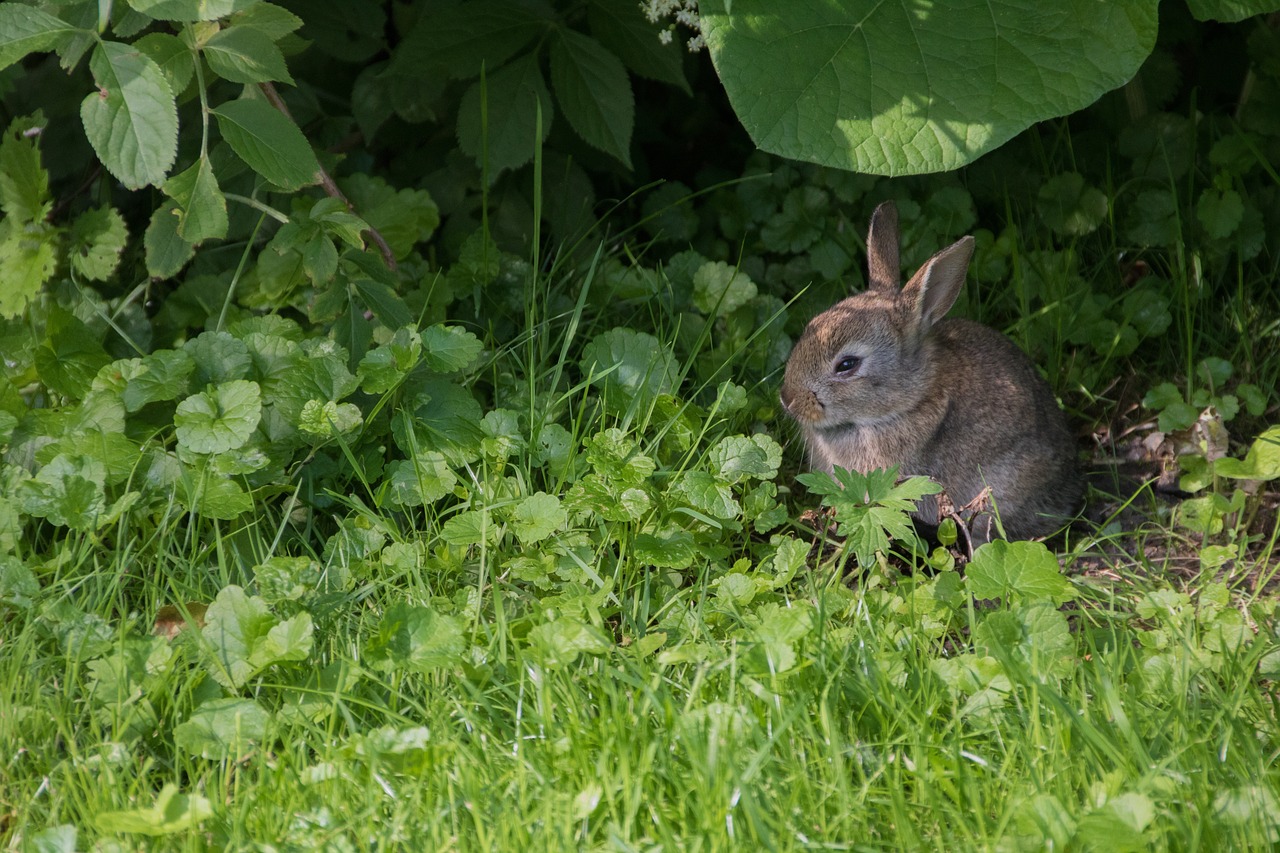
882	379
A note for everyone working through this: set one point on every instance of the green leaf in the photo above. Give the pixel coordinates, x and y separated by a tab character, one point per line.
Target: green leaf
215	497
738	458
673	551
594	93
461	39
707	494
132	120
469	528
245	638
629	363
720	288
537	517
891	89
418	639
270	20
559	643
1119	825
1262	462
219	420
242	54
202	208
25	265
1070	207
404	217
167	252
325	418
24	183
189	10
1229	10
97	238
172	56
163	375
622	28
222	729
1019	570
447	349
70	356
26	29
171	814
268	142
19	588
1220	212
218	358
385	366
514	94
422	480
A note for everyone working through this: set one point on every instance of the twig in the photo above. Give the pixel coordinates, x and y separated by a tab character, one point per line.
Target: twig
326	180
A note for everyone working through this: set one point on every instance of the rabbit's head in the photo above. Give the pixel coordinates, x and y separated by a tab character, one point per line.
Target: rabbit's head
869	358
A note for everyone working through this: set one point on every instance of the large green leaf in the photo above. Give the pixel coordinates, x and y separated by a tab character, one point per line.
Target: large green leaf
202	208
24	29
594	93
244	55
271	144
132	120
189	10
1229	10
508	122
898	88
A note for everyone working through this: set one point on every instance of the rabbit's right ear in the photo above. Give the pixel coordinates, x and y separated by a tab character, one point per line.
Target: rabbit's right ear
883	271
933	289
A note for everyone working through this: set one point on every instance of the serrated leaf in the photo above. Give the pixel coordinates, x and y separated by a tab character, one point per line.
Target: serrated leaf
469	528
24	182
70	356
26	29
202	213
1220	212
594	93
272	21
19	588
166	252
737	458
189	10
172	56
706	494
219	420
383	367
25	265
1069	206
422	480
560	643
718	287
243	55
163	375
672	551
515	93
630	363
404	217
888	90
223	729
463	38
245	638
132	120
171	814
68	492
417	638
325	418
446	349
537	517
97	238
622	28
268	142
1020	570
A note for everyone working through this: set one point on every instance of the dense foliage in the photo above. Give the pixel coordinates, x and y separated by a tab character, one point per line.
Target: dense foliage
391	452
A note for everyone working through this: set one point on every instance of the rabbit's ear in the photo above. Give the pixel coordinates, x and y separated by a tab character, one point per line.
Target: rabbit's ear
883	270
934	288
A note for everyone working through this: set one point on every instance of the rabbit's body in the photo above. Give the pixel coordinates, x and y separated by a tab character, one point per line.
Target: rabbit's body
881	379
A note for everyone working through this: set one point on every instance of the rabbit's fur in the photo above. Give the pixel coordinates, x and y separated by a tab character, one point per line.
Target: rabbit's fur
882	379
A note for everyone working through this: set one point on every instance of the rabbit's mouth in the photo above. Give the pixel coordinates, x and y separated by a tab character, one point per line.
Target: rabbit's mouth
804	407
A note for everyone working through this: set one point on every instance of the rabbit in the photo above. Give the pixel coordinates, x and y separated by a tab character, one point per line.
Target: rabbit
883	378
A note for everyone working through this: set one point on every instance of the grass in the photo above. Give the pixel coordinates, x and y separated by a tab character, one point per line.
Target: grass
646	675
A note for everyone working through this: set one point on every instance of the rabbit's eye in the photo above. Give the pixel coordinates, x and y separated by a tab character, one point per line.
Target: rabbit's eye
848	364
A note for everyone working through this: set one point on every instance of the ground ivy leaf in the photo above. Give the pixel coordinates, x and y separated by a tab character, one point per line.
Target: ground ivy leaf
219	420
223	729
245	637
718	287
469	528
537	517
1262	462
422	480
171	814
1021	570
673	551
69	492
219	357
202	208
1070	207
268	142
516	92
737	458
704	492
559	643
162	375
404	217
447	349
18	585
1220	212
97	238
24	182
327	418
629	363
244	55
417	638
594	93
132	120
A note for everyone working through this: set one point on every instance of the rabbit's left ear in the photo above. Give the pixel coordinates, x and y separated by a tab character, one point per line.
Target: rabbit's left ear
933	289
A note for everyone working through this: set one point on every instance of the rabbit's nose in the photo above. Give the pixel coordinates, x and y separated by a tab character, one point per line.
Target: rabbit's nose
787	398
